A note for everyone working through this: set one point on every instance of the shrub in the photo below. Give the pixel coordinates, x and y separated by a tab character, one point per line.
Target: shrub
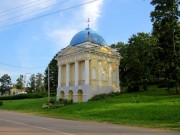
53	94
133	87
1	103
104	96
57	104
65	102
47	105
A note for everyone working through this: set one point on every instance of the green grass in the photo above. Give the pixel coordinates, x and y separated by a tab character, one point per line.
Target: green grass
156	108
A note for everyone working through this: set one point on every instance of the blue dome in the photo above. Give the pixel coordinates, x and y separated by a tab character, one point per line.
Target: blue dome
82	37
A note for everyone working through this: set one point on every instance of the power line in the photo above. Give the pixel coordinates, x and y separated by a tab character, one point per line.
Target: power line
5	26
31	11
19	6
21	9
19	66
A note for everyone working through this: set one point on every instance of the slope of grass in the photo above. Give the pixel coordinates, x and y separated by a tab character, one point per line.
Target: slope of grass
155	108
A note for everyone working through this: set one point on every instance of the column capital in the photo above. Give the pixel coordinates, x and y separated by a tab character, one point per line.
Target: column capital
59	63
87	59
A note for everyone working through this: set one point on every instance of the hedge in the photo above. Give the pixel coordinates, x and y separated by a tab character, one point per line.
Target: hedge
104	96
22	96
1	103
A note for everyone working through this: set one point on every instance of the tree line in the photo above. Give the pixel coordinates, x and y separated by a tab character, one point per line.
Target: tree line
34	84
153	58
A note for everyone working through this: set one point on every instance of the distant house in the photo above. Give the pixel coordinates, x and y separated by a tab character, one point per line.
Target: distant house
15	91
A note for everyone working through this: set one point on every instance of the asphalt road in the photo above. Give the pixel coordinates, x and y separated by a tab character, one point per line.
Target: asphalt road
12	123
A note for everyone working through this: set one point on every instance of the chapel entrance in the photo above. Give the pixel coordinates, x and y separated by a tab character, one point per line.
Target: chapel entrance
70	96
80	96
62	95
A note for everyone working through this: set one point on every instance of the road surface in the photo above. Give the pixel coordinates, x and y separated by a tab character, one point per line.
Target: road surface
12	123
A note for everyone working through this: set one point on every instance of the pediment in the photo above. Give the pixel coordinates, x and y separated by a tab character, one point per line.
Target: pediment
68	50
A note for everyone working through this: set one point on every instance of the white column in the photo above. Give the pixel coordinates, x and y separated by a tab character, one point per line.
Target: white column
100	73
59	76
86	71
76	77
110	74
67	74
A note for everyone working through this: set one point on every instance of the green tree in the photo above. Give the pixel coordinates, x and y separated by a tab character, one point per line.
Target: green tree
53	75
121	48
139	59
5	81
137	56
19	84
32	82
166	29
39	82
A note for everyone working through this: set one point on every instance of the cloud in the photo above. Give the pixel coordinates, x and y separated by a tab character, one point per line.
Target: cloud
93	11
77	21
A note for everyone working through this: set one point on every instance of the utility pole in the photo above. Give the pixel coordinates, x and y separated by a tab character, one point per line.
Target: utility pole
48	86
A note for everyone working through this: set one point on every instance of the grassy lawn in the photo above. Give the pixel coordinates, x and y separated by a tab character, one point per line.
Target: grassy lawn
156	108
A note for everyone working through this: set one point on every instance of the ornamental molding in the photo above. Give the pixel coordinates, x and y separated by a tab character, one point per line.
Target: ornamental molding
80	52
85	56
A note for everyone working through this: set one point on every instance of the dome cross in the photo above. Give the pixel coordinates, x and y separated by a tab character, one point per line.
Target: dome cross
88	20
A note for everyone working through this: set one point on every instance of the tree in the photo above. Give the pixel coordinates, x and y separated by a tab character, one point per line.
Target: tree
39	82
135	65
121	48
19	84
166	30
53	74
5	81
32	83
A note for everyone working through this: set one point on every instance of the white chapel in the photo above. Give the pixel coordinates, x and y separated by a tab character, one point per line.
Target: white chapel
87	67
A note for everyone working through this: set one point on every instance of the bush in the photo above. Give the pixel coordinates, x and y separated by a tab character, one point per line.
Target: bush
104	96
53	94
57	104
133	87
1	103
65	102
52	101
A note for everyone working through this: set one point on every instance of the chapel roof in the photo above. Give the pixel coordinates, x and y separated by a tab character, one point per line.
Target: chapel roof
87	35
